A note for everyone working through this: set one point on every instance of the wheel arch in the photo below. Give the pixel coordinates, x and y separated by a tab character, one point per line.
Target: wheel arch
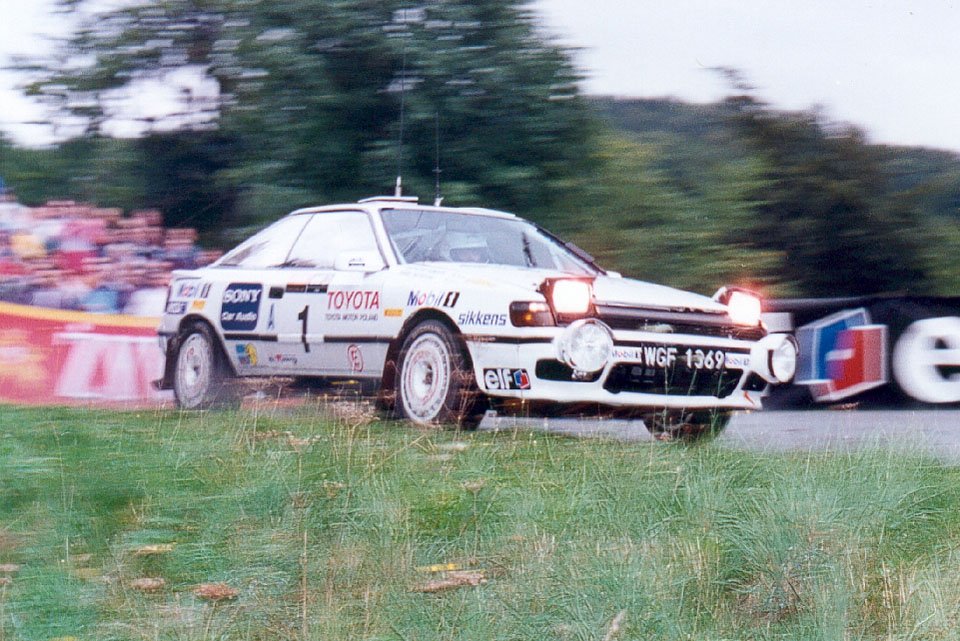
171	356
387	382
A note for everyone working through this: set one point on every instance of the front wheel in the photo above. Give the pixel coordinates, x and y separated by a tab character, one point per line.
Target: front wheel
686	426
201	377
434	381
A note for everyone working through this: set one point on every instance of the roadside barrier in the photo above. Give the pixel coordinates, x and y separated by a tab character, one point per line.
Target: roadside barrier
50	356
874	350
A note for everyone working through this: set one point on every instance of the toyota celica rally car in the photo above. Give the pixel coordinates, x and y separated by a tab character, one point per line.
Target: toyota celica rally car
452	312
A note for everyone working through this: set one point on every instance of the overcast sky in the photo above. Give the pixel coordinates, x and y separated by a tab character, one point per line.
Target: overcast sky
889	66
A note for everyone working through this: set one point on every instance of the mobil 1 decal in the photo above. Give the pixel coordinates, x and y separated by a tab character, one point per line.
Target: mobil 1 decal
241	307
421	298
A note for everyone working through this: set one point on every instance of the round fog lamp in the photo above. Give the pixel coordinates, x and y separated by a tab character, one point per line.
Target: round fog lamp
783	360
585	345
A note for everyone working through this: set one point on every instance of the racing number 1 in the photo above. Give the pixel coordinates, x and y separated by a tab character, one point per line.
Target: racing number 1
302	317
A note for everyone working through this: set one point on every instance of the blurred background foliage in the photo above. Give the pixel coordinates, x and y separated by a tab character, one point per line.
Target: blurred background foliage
307	109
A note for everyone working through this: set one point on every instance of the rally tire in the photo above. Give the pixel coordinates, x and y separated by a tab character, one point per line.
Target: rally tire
688	427
201	376
434	381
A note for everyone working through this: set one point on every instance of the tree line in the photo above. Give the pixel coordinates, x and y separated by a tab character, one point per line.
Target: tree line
320	102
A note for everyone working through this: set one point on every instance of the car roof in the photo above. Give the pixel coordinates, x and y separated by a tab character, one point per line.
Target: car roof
379	203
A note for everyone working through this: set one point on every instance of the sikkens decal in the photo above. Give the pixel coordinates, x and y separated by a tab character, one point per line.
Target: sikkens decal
482	319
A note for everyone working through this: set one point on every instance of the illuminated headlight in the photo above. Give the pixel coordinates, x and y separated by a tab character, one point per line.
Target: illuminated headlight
585	346
744	308
570	297
774	358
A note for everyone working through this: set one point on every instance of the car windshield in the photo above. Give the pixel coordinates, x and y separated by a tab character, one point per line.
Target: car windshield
444	236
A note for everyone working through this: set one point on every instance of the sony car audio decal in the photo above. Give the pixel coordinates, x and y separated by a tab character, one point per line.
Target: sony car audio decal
241	307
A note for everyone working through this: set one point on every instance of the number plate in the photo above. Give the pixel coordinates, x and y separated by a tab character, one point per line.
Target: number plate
674	356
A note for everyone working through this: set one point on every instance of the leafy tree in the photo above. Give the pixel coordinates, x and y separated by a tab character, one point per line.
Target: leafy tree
310	95
639	218
183	178
91	169
822	205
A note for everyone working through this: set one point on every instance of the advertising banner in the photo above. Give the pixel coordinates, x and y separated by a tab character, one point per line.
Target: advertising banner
50	356
879	350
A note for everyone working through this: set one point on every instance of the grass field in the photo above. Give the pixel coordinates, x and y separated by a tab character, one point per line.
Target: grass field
331	525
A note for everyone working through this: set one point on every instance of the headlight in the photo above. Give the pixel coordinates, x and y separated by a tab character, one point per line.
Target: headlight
585	346
744	308
783	360
570	297
774	357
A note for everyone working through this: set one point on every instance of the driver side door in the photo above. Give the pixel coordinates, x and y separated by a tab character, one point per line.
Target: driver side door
309	307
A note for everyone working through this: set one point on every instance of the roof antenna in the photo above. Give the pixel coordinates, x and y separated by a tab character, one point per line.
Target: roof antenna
398	190
437	199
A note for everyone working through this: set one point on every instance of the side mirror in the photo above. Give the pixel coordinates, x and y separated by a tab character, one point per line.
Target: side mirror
359	261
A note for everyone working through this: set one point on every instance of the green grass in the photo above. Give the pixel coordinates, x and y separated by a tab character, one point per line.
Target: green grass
326	526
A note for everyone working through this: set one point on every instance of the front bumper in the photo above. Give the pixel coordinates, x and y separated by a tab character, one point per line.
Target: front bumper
529	369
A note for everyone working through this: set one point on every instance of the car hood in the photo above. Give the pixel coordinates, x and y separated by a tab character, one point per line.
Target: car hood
607	290
637	293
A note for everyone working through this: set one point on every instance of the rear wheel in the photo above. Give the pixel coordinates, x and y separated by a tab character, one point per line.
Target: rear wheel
686	426
434	381
201	375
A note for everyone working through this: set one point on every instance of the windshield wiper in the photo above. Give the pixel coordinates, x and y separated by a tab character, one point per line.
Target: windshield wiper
527	255
296	262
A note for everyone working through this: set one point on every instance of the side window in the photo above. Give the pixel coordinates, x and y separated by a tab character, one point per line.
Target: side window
329	234
267	248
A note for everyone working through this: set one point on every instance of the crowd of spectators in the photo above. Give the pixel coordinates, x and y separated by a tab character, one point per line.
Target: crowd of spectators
69	255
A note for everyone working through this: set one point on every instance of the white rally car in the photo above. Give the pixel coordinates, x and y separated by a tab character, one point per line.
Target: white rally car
449	312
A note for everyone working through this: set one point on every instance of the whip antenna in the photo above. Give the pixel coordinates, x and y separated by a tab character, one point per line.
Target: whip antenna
398	190
437	198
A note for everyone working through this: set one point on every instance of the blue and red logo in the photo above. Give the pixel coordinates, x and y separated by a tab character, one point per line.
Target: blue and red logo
842	355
